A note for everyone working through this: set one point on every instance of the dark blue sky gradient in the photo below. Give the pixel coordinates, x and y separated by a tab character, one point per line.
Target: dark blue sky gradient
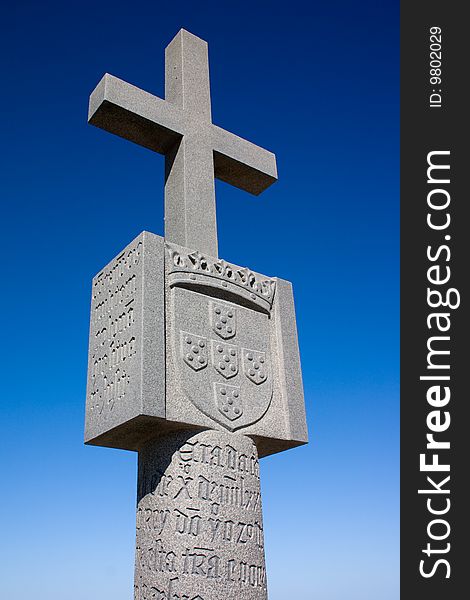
317	83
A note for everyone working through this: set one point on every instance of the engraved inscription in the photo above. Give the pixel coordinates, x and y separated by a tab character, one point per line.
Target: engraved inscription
199	521
198	561
152	519
142	591
226	457
113	331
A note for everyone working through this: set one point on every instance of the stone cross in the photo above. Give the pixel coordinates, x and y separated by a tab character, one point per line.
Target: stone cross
195	149
193	361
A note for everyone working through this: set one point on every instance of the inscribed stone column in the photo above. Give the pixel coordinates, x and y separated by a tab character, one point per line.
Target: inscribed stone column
199	521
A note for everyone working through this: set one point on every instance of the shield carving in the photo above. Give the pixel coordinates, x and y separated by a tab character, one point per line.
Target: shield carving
194	350
254	365
225	358
236	388
223	320
227	398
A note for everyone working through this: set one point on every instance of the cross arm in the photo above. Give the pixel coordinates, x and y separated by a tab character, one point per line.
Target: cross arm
136	115
241	163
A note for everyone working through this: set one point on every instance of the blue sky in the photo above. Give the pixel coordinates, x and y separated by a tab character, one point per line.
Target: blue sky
317	83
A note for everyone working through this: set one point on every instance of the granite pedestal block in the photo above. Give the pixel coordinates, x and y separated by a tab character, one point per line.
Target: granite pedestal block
176	334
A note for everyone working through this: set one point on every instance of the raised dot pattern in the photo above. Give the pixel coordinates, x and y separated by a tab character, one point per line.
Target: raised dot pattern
225	360
255	366
195	351
224	321
229	401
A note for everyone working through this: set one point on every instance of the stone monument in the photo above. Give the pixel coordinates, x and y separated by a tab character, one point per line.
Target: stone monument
193	361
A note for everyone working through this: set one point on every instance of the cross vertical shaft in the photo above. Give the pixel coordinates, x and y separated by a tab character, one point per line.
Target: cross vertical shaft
187	74
190	212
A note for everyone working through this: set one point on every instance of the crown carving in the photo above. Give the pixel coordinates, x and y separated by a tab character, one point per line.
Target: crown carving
192	264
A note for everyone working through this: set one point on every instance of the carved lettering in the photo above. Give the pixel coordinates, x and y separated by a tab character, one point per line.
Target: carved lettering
152	520
199	517
187	523
184	482
142	591
156	558
113	336
157	483
216	456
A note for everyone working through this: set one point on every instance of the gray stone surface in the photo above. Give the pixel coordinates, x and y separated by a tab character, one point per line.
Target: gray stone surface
195	150
199	520
249	357
193	361
175	334
126	360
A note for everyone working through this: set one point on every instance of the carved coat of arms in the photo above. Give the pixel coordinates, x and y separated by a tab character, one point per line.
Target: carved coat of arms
220	337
